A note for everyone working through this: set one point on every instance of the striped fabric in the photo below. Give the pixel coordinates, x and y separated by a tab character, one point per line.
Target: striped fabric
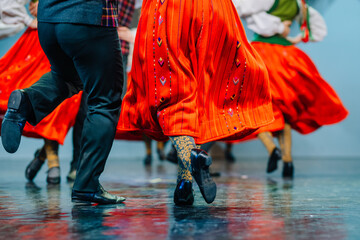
194	74
110	14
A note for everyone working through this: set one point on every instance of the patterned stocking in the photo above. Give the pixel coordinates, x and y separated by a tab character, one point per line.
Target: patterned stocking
184	145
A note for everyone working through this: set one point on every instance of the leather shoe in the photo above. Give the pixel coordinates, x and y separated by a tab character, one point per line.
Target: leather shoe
100	197
288	170
273	160
14	121
34	166
53	175
183	194
200	162
148	160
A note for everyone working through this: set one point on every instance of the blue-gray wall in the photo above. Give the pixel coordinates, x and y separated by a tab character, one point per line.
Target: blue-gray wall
337	58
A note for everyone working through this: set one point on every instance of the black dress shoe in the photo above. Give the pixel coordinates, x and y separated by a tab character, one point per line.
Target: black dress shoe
288	170
200	162
273	160
14	121
34	166
100	197
183	194
53	175
172	156
148	160
229	156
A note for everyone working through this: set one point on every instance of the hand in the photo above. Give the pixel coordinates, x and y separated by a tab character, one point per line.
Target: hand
286	31
125	34
295	40
33	8
33	24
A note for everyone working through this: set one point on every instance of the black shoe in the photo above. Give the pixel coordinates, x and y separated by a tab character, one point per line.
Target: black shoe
53	175
172	156
148	160
229	156
34	166
200	162
14	121
183	194
273	160
161	154
100	197
288	170
71	175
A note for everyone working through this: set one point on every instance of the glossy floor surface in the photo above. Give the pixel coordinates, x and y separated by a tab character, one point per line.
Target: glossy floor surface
322	202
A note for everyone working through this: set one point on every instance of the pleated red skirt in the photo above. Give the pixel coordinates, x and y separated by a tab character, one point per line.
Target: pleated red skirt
300	95
21	67
194	73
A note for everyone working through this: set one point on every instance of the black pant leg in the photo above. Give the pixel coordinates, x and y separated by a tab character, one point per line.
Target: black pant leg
97	58
77	131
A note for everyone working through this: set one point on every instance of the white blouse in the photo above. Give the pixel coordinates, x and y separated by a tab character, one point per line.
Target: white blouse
13	17
262	23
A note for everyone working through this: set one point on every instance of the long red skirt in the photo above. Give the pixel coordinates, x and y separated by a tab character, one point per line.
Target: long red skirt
194	73
21	67
304	99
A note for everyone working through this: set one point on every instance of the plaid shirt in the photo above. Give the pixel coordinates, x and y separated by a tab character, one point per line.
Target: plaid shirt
110	13
118	13
126	11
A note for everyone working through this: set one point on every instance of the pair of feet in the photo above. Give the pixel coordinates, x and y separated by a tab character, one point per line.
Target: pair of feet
53	174
200	162
288	167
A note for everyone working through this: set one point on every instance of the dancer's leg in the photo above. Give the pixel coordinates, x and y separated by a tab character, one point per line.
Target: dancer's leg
160	150
52	150
148	157
193	162
267	139
183	146
285	145
77	132
103	82
274	153
35	165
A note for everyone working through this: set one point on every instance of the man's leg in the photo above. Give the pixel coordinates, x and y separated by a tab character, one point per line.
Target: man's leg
98	61
77	132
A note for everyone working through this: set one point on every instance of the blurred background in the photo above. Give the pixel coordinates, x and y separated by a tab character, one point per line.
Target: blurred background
337	58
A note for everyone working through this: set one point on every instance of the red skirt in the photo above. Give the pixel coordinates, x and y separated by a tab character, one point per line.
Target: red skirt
21	67
299	93
194	73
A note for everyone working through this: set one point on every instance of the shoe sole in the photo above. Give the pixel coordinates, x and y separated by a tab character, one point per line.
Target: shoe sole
87	203
53	180
10	130
200	166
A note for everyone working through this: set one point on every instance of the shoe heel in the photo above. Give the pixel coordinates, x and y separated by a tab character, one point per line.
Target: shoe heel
204	159
15	100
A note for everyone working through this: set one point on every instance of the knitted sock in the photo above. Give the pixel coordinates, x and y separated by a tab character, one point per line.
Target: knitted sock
184	145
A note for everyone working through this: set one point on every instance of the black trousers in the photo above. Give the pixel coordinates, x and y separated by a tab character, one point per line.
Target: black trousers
88	58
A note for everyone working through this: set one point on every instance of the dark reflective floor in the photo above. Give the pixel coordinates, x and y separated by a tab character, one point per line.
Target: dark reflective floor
322	202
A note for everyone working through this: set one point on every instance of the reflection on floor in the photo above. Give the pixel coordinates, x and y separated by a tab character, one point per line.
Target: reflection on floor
322	202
